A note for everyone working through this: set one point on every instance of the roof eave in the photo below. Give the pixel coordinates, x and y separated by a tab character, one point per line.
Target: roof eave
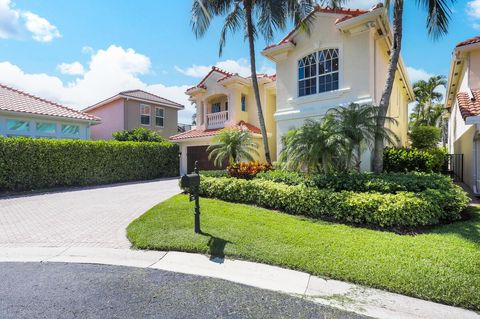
46	116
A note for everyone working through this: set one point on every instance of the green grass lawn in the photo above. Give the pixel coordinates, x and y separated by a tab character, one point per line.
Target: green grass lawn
441	265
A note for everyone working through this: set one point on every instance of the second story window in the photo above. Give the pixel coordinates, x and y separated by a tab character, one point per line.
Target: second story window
318	72
144	114
159	116
244	103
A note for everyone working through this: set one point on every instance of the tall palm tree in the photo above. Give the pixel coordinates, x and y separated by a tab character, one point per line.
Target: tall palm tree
358	124
254	17
438	18
232	144
314	147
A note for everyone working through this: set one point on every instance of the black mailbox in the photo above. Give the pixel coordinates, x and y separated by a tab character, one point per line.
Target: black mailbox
190	180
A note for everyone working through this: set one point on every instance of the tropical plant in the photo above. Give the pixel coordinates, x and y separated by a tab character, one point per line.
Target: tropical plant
357	125
234	145
438	18
314	147
429	109
254	18
139	134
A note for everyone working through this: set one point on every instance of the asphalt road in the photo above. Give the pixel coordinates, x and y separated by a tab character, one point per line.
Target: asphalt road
60	290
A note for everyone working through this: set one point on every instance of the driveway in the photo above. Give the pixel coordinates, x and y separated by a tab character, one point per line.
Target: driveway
80	217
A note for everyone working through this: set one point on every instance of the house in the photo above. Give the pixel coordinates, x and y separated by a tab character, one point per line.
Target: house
463	105
22	114
344	59
225	99
136	108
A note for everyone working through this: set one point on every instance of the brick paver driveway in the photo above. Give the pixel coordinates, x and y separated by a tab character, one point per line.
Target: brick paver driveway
88	217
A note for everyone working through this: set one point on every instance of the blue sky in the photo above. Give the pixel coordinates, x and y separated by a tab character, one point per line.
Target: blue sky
78	52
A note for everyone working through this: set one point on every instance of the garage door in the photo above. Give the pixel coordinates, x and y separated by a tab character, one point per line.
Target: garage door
200	154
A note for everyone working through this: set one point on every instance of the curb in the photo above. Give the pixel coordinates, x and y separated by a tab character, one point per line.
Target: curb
346	296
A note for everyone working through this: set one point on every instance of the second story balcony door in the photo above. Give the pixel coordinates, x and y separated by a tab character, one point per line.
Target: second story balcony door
217	117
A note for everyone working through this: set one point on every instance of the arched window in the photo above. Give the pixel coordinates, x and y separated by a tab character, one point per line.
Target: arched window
318	72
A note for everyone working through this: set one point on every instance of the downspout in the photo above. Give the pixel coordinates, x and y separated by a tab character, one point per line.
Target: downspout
475	161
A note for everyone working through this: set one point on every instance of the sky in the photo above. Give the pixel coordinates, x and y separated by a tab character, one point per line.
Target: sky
80	52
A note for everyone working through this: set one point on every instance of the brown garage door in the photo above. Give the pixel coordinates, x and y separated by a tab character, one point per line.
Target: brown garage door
200	154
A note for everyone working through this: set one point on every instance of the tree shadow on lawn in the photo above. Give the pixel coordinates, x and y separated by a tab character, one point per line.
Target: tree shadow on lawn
216	247
468	227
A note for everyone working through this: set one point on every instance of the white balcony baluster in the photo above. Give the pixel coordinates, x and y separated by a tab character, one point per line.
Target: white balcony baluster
217	120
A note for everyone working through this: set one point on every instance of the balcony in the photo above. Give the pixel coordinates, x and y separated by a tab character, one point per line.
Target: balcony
217	120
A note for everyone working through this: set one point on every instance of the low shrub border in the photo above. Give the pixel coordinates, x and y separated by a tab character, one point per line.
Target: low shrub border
403	209
27	164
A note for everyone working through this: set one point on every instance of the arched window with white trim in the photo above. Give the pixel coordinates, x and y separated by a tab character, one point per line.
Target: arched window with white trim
318	72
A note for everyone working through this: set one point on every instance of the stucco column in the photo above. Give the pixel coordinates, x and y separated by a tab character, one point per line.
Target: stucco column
204	110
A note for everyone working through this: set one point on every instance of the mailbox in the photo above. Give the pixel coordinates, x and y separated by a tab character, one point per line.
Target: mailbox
190	180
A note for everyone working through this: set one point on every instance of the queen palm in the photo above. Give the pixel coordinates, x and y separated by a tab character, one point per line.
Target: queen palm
438	17
234	145
254	18
357	124
313	147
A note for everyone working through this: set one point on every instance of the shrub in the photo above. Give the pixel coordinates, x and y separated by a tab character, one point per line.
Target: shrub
413	160
404	209
247	170
364	182
139	134
215	173
424	137
27	164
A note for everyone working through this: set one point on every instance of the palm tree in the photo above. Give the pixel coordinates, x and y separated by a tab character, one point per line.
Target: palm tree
429	109
232	144
357	125
438	18
315	146
254	17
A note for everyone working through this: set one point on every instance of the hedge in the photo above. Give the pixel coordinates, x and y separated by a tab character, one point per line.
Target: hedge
413	160
403	209
364	182
27	164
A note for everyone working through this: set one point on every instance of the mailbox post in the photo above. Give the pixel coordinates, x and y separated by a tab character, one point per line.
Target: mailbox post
191	182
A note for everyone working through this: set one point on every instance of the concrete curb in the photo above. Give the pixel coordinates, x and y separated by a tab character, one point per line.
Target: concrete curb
367	301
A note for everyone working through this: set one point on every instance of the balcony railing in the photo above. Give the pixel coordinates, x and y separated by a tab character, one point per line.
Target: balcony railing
217	120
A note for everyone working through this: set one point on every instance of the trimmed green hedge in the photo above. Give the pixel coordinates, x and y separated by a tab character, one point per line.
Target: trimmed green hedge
364	182
413	159
27	164
403	209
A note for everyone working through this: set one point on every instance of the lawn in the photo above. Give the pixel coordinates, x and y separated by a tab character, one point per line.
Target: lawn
442	264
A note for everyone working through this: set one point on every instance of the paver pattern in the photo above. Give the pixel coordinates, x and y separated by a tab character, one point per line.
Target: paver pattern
79	217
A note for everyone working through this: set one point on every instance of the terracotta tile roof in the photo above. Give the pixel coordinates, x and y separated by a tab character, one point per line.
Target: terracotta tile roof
14	100
349	13
211	132
140	94
469	41
202	85
469	106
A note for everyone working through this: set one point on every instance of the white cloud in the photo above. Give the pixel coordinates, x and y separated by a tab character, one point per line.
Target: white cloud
13	22
418	74
473	9
363	4
75	68
240	66
109	71
41	29
9	24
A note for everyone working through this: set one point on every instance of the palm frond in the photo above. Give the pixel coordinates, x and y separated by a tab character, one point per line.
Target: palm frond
233	22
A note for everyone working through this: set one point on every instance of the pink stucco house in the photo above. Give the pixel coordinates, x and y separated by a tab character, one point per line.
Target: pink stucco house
131	109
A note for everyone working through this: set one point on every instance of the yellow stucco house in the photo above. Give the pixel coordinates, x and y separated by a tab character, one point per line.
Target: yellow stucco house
463	106
343	60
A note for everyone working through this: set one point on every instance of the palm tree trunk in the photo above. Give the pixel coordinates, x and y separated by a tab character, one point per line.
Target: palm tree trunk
251	43
387	92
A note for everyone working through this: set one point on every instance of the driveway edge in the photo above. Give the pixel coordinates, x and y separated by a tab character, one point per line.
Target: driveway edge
346	296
